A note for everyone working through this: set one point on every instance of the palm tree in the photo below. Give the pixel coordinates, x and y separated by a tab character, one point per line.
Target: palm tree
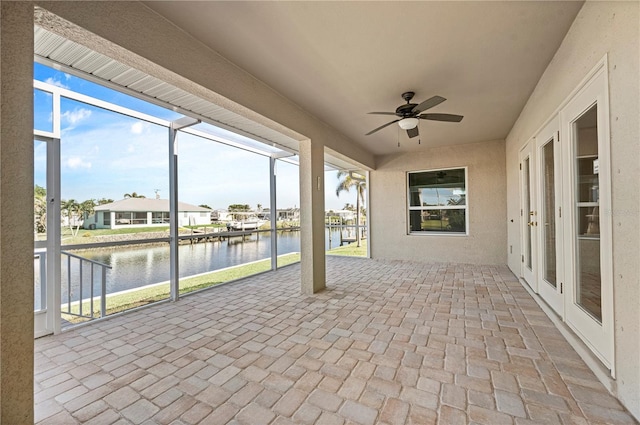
76	212
103	201
69	209
39	210
85	209
133	195
238	208
348	181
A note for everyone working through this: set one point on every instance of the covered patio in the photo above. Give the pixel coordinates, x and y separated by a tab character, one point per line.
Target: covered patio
388	342
514	299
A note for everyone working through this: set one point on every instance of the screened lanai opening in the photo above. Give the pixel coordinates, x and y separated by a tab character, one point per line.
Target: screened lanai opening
346	211
124	161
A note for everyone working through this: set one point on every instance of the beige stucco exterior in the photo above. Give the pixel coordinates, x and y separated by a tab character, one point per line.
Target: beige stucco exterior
486	241
16	214
600	28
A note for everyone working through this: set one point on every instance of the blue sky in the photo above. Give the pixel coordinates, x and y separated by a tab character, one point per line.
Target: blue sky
105	155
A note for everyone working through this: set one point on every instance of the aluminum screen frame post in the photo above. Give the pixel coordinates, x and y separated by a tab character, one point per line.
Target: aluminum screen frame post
174	272
273	213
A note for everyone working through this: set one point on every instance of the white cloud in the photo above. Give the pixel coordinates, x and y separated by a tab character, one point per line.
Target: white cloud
76	162
55	82
139	127
77	115
131	148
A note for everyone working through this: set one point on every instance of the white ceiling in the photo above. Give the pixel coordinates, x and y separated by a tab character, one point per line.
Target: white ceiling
340	60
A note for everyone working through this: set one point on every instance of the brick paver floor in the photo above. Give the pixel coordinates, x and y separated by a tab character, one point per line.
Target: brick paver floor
388	342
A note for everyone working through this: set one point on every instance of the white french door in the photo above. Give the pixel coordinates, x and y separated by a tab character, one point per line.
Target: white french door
528	217
566	235
587	231
549	219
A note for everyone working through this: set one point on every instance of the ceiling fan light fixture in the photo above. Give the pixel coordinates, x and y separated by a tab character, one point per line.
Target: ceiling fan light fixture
408	123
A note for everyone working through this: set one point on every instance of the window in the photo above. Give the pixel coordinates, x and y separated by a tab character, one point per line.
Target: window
160	217
131	217
437	201
106	218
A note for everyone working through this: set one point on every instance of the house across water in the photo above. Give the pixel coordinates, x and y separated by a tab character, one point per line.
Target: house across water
131	212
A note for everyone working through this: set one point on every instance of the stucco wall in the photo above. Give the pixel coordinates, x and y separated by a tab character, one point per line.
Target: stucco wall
600	28
16	213
486	191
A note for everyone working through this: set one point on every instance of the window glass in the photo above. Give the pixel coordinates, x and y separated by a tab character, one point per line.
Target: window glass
140	218
589	274
160	217
437	201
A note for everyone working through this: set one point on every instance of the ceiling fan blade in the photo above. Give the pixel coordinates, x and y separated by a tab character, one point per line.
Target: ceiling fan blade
381	127
382	113
442	117
412	132
428	104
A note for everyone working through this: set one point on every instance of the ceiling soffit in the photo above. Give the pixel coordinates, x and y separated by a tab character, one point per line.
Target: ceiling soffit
340	60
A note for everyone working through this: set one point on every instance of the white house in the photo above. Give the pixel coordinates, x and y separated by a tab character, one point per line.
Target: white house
132	212
282	214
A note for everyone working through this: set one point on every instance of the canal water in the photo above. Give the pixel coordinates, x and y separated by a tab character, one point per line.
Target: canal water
136	266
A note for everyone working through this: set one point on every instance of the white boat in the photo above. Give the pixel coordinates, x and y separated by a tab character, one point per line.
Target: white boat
245	225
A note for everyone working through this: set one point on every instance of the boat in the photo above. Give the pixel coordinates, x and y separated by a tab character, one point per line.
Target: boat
245	225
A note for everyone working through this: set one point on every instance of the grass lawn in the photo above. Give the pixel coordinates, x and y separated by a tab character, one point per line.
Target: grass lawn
142	296
146	295
351	250
100	232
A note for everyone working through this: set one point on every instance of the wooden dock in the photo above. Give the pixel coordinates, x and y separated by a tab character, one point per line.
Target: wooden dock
198	235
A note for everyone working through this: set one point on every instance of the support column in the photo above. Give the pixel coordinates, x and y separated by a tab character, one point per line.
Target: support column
174	272
273	213
16	213
312	261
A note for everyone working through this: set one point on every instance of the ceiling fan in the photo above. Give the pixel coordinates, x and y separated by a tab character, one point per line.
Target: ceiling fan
410	114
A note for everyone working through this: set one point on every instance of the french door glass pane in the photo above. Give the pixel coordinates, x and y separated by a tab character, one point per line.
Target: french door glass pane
527	209
548	214
588	282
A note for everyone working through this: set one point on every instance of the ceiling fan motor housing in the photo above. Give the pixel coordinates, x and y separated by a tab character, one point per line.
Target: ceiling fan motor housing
406	110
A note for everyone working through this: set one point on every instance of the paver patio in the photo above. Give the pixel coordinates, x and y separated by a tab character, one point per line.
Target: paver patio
388	342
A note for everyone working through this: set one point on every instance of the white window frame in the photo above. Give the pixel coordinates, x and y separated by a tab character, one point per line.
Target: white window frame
422	208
